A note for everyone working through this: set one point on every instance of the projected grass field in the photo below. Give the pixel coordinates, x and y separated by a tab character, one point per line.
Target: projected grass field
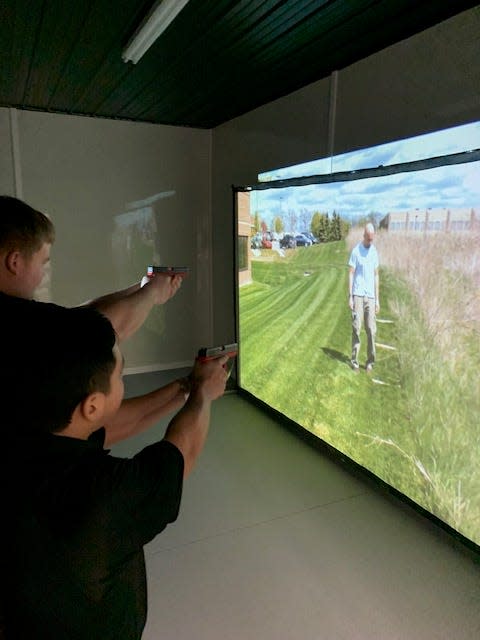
414	421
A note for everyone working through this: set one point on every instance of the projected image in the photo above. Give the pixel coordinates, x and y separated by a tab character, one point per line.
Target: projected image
410	418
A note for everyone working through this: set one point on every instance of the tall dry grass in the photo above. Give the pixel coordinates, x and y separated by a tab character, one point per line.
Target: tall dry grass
433	297
442	271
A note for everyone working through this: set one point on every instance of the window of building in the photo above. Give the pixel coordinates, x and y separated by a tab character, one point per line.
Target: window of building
242	253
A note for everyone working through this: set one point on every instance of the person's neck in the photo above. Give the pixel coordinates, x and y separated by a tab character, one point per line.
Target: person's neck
77	429
11	291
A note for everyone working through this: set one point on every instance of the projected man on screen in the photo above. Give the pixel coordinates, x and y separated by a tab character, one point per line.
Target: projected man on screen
363	295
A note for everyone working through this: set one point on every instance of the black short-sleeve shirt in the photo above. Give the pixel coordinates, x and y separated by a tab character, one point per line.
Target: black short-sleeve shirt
77	522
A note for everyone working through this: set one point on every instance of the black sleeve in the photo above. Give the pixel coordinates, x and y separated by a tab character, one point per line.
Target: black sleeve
145	493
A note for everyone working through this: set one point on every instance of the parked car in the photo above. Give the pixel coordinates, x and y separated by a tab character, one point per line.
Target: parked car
256	241
310	236
302	241
288	242
266	243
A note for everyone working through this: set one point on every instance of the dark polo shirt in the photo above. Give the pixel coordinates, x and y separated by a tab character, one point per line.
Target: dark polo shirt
77	521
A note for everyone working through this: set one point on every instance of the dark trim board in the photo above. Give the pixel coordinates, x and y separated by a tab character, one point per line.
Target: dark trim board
371	172
440	528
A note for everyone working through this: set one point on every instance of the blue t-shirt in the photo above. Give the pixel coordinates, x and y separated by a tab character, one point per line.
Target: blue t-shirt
364	261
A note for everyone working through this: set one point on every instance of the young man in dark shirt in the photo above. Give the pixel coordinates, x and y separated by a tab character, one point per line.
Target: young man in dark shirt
76	518
26	237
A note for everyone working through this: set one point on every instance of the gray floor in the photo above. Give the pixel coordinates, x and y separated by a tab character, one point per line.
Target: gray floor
276	542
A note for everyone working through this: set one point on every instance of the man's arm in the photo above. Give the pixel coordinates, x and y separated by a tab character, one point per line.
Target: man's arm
128	309
377	291
139	414
351	272
188	429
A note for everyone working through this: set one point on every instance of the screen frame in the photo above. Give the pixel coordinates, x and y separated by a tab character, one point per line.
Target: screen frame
314	441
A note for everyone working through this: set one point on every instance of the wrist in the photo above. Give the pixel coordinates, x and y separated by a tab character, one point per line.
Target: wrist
185	386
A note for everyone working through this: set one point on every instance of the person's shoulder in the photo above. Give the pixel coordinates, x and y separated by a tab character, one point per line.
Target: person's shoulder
7	300
356	249
18	302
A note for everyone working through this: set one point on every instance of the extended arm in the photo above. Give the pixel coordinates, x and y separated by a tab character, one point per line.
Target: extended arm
128	309
139	414
188	429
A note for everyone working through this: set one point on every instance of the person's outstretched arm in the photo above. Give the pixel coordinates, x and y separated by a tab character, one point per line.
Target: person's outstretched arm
188	429
128	309
142	412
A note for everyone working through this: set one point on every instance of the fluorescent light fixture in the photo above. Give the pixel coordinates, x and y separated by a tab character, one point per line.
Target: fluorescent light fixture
157	21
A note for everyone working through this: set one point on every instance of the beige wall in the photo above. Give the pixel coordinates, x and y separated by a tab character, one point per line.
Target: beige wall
99	179
427	82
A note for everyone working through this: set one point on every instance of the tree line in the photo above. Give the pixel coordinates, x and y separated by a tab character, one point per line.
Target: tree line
323	226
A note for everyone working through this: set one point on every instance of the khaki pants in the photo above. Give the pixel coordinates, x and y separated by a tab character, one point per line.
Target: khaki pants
363	307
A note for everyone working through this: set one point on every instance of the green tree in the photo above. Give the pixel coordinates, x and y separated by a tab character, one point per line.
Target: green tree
320	226
328	229
257	223
315	223
336	227
278	224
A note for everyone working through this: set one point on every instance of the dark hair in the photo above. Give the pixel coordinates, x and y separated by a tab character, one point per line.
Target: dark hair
52	360
23	228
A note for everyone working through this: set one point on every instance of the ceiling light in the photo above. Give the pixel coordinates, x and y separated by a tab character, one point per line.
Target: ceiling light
153	26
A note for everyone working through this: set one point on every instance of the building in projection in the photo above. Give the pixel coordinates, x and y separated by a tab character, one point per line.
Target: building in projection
432	220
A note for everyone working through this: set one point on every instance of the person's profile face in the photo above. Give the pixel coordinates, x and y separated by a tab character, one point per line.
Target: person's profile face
34	270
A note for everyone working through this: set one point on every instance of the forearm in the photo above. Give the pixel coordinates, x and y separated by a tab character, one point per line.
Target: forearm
114	296
350	288
126	310
377	288
189	428
139	414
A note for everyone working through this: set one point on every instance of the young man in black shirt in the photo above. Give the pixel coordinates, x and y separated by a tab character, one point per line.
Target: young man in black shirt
26	237
76	518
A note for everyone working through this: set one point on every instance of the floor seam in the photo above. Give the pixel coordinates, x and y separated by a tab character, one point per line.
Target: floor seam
256	524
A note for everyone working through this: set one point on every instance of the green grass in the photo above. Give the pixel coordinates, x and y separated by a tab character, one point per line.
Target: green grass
295	340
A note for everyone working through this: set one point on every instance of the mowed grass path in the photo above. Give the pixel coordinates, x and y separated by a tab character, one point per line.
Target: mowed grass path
400	423
295	342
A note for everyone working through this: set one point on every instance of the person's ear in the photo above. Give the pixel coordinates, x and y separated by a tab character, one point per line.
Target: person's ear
13	262
92	407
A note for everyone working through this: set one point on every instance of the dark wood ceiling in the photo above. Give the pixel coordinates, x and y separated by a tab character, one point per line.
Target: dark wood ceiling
217	60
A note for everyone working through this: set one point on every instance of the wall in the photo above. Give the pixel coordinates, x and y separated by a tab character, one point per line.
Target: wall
121	195
422	84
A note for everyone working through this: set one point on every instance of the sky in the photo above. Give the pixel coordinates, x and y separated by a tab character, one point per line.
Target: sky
454	186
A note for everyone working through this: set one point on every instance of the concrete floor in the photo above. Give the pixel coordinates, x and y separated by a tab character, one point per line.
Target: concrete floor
277	542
